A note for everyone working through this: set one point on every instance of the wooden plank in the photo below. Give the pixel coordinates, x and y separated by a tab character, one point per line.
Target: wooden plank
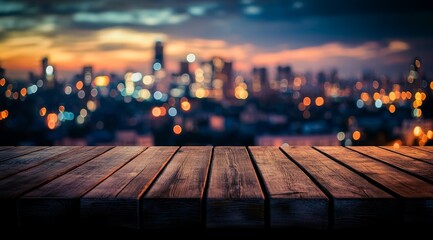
408	164
356	202
412	152
416	194
15	186
425	148
18	164
235	198
294	200
115	202
175	198
57	202
18	151
2	148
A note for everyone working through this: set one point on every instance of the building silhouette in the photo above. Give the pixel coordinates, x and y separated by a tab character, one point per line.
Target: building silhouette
158	61
260	83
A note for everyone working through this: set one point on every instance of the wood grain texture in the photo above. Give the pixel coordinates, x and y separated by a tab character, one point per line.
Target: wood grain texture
412	152
417	195
14	186
57	202
413	166
425	148
2	148
18	151
234	198
116	201
175	198
356	202
295	201
18	164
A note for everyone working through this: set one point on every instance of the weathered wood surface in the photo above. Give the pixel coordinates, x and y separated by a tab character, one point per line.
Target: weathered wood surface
407	164
57	202
234	197
215	187
31	178
417	195
356	202
175	198
412	152
18	164
294	200
17	151
116	201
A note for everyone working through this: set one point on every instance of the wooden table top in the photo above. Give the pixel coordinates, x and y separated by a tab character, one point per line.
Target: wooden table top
207	187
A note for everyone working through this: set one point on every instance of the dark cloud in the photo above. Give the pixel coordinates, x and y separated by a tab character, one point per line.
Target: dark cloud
268	25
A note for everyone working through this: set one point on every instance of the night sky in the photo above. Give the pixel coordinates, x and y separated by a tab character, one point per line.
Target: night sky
309	35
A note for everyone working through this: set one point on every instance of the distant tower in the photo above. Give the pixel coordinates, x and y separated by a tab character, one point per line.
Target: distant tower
48	72
158	61
87	75
2	72
222	71
260	84
44	65
184	67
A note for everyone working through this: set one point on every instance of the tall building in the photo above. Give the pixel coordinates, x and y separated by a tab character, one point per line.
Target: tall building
260	84
2	72
222	78
184	68
87	75
48	72
284	72
158	61
44	65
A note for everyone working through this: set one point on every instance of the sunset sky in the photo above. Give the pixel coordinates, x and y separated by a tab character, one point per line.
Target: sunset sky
119	35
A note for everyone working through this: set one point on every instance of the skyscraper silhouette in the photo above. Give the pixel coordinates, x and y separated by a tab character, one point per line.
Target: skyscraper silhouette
158	61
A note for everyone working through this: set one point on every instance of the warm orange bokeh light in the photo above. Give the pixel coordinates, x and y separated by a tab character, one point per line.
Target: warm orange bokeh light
307	101
42	111
52	120
417	131
364	96
177	129
156	111
391	108
2	82
23	92
356	135
101	81
186	106
319	101
79	85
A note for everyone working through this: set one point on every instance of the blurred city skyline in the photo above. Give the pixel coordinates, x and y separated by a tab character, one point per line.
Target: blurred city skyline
119	36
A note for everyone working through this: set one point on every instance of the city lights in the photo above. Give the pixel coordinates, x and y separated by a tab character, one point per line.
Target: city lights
177	129
101	81
190	58
356	135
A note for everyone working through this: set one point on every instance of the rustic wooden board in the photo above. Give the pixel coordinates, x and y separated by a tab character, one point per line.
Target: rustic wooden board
2	148
294	200
16	185
57	202
18	151
412	152
356	202
18	164
175	198
425	148
412	166
234	198
416	194
116	201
